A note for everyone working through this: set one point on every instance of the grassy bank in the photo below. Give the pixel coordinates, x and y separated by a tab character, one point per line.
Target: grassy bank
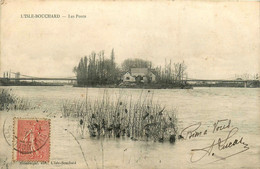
140	119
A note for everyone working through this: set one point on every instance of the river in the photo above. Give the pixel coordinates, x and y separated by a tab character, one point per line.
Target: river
203	106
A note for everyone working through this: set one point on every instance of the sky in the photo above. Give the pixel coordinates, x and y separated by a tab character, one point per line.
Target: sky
216	40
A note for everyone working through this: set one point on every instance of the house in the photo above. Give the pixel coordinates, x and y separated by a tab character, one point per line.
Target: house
127	77
143	75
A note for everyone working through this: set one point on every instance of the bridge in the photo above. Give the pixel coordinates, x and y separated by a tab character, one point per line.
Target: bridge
219	81
40	78
20	77
246	83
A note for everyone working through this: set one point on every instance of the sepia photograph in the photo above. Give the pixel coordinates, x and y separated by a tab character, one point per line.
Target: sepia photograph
129	84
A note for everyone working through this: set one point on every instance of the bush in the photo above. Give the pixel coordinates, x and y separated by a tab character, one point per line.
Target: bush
8	101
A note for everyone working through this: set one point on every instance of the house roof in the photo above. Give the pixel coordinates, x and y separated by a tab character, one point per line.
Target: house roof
139	70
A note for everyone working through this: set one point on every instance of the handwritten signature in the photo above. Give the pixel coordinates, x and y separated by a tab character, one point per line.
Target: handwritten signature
219	145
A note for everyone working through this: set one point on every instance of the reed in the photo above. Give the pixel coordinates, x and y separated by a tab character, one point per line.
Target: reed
9	101
140	119
73	108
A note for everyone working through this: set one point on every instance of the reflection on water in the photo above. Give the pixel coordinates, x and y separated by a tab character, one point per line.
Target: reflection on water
205	105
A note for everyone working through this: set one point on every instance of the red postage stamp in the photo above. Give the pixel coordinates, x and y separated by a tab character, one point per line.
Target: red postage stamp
31	140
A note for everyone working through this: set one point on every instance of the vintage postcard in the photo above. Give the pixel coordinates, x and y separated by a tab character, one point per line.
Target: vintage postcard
130	84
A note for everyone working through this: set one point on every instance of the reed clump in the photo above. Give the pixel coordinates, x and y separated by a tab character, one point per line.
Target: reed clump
74	108
140	119
9	101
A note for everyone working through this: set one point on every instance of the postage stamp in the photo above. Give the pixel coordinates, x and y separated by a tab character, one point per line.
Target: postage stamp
31	140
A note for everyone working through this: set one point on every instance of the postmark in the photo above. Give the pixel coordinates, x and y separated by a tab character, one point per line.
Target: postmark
31	139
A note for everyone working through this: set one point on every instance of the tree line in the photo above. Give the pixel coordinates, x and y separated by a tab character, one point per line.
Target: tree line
95	69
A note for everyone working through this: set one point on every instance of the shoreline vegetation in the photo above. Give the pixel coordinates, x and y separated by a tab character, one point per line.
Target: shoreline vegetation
141	119
8	101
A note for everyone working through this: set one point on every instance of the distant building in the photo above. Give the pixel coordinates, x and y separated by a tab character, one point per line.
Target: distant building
143	75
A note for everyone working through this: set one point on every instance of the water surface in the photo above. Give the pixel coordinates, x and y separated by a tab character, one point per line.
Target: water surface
205	105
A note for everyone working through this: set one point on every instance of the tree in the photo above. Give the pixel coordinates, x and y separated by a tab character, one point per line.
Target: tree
169	75
95	69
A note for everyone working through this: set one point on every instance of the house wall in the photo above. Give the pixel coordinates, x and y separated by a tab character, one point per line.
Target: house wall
152	77
128	78
131	77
